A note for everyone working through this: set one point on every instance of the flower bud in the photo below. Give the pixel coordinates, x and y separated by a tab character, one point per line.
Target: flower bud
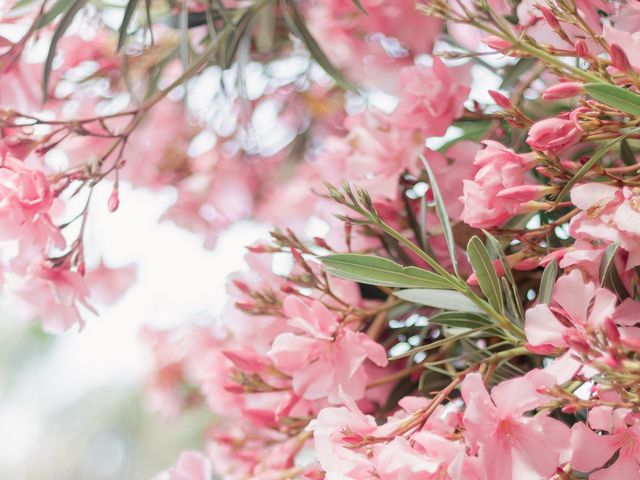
611	330
114	200
501	100
550	17
582	50
619	59
577	343
496	43
525	193
562	90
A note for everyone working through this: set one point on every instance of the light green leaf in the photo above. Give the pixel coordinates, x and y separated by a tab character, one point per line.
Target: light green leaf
471	130
485	273
609	276
615	96
126	20
299	27
442	214
65	22
444	299
53	13
547	281
626	153
373	270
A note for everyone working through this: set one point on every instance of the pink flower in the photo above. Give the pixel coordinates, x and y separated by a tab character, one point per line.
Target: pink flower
431	97
577	308
553	134
107	284
324	356
592	451
500	169
190	466
25	197
512	445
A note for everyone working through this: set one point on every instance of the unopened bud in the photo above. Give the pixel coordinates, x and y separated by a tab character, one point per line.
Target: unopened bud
497	43
611	331
550	18
562	90
582	50
525	193
501	100
577	343
114	200
569	409
619	59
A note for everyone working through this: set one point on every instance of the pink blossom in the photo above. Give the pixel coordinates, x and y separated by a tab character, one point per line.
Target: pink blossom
324	356
553	134
592	451
107	284
512	445
499	168
432	97
562	90
577	308
190	466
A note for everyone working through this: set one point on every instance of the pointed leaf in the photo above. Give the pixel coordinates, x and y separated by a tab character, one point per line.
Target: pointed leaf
615	96
626	153
126	20
485	273
444	299
65	22
547	281
442	214
373	270
609	276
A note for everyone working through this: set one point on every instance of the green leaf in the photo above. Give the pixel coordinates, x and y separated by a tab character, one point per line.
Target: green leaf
373	270
547	281
626	153
595	158
514	73
442	214
444	341
460	319
444	299
471	130
360	7
65	22
126	20
485	273
609	276
298	26
615	96
230	46
51	14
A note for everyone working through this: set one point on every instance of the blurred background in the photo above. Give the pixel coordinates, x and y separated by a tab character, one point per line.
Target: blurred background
71	406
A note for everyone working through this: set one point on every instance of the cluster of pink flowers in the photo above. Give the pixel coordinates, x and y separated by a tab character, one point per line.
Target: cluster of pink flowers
507	347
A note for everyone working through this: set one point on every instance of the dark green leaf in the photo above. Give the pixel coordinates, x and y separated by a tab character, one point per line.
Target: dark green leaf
615	96
626	153
360	7
514	73
65	22
595	158
485	273
51	14
444	299
609	276
460	319
126	20
442	214
471	130
298	26
547	281
379	271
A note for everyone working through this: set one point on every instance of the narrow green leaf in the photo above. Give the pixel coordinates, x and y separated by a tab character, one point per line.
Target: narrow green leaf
471	130
444	299
442	214
373	270
232	39
513	74
360	7
53	13
547	281
595	158
126	20
485	273
609	276
299	27
615	96
626	153
65	22
444	341
460	319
